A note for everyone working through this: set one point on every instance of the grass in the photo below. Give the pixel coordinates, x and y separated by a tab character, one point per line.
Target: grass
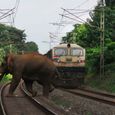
61	102
89	113
107	83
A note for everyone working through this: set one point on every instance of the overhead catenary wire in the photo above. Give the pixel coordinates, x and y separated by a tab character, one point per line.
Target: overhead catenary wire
80	20
7	14
74	15
4	9
59	25
16	9
71	18
79	12
76	9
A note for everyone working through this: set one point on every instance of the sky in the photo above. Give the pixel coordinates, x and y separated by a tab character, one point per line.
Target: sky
39	18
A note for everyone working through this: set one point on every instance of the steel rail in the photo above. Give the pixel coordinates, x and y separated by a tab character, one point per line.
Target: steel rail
98	96
98	92
1	100
47	109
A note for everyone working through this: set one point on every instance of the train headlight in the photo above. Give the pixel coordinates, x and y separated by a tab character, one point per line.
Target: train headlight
58	60
78	61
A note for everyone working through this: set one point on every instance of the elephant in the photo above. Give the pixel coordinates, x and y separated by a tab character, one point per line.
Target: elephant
29	67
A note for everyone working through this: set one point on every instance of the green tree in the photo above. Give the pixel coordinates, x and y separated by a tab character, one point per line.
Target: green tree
11	37
110	53
2	54
31	47
88	35
14	40
110	3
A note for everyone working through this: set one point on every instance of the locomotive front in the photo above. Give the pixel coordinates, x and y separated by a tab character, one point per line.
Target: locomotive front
68	55
70	61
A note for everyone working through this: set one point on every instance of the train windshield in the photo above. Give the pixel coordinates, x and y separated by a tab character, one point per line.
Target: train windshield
60	52
76	52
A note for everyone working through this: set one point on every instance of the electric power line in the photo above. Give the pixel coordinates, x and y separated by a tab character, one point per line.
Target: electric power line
6	14
11	13
16	9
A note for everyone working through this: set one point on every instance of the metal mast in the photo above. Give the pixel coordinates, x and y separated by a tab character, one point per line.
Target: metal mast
102	16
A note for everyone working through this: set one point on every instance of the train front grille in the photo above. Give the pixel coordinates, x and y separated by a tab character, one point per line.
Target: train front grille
68	59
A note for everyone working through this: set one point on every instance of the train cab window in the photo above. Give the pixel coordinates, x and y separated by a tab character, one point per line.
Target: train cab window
60	52
76	52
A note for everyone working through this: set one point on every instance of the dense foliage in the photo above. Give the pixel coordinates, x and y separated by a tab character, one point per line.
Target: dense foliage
88	36
31	46
14	40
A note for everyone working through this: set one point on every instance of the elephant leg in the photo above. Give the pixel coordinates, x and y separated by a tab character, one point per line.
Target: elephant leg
51	88
13	85
46	89
28	84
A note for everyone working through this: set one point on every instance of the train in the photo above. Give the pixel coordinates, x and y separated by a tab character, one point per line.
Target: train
69	59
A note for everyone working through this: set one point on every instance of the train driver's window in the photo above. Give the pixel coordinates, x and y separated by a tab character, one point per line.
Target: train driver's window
76	52
60	52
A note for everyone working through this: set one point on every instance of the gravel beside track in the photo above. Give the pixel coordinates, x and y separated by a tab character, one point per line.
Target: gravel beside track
77	105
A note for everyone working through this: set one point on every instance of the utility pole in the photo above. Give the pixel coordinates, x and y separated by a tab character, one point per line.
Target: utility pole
102	16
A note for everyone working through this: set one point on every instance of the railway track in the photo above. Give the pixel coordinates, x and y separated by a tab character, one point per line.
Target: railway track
95	95
24	104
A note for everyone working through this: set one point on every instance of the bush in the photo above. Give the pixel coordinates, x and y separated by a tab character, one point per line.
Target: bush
92	57
6	78
2	54
110	53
